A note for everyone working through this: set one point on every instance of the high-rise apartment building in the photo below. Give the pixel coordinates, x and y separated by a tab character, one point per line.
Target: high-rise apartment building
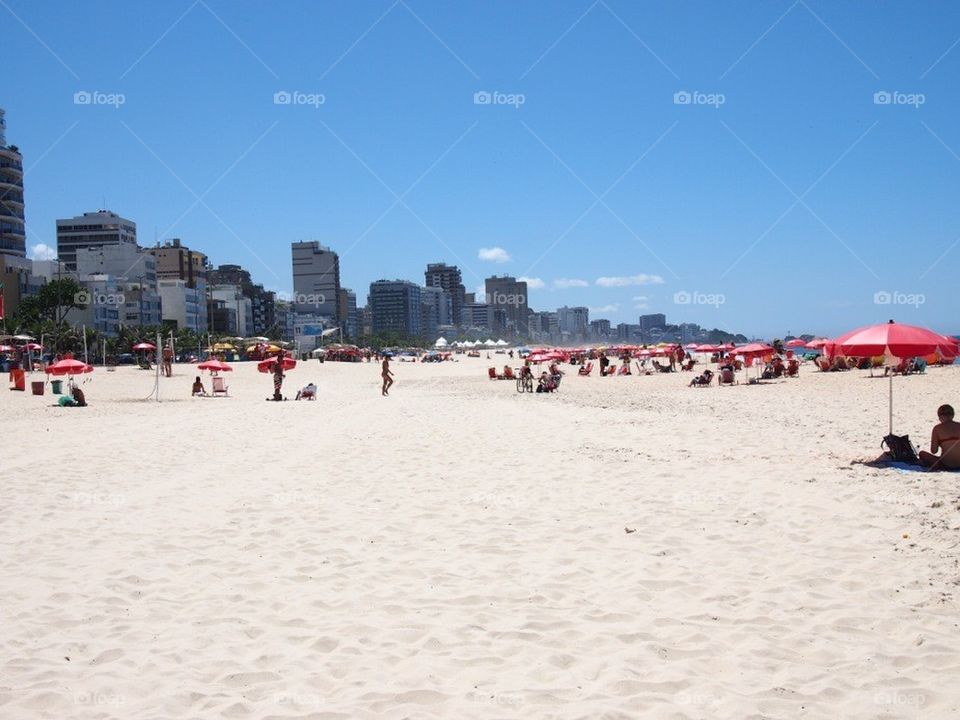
396	307
13	238
92	230
508	298
449	278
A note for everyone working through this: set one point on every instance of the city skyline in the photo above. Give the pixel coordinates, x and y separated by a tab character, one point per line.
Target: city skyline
720	180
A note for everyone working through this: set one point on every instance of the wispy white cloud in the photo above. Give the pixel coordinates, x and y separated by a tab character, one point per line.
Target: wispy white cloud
532	283
41	251
494	254
563	283
612	307
640	302
626	281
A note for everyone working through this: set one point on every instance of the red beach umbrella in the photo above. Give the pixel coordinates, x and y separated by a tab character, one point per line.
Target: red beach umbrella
214	365
144	346
795	343
817	344
900	341
752	349
891	339
266	366
69	366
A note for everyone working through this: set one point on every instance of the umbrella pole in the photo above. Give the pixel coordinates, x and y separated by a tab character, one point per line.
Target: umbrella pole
891	403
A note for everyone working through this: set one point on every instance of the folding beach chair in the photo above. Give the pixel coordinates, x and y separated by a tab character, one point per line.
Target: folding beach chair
219	386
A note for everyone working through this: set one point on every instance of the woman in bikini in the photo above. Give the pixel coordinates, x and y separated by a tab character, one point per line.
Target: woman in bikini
945	438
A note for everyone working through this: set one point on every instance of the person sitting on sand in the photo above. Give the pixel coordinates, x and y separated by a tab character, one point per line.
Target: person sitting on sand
946	438
198	388
702	380
76	398
309	392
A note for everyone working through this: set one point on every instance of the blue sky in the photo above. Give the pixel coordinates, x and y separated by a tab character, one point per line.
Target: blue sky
785	196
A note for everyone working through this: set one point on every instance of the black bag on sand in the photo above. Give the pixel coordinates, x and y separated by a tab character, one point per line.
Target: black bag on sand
901	449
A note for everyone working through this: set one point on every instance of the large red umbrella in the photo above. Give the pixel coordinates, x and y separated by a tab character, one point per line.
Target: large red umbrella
817	344
796	342
891	339
144	346
214	365
69	366
266	366
752	350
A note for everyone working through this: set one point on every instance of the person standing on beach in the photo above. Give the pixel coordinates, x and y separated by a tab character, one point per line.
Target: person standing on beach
387	376
168	360
278	377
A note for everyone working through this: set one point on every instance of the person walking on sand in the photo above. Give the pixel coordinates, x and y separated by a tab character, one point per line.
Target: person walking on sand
168	360
278	377
387	376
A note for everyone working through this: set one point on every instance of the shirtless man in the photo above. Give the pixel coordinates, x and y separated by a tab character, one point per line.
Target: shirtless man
945	437
386	375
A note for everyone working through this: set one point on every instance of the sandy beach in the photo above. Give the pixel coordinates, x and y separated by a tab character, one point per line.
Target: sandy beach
625	548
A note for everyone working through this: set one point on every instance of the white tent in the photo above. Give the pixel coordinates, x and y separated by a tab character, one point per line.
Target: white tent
501	343
490	343
441	342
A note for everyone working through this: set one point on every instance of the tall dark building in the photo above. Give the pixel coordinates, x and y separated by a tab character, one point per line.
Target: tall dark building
13	238
508	297
448	278
396	307
262	301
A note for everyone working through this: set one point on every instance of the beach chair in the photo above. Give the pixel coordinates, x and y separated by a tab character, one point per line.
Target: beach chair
793	368
586	369
219	386
508	374
727	377
492	373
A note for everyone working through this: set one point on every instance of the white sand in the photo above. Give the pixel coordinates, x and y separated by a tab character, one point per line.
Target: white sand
459	550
